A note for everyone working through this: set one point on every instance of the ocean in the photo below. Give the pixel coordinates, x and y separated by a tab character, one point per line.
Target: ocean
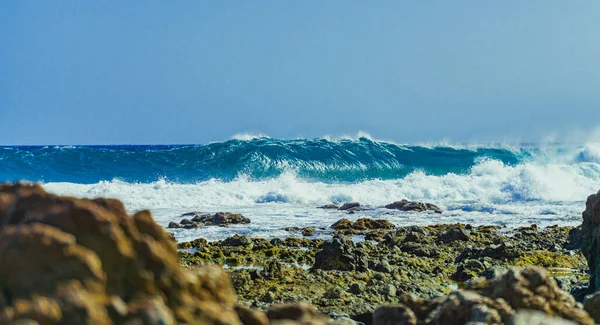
280	183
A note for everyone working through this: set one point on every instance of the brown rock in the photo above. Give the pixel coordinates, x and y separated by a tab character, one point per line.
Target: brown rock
370	224
251	316
300	312
97	265
394	315
342	224
531	288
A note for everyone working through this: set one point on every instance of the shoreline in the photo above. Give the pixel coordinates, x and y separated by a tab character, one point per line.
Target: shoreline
428	262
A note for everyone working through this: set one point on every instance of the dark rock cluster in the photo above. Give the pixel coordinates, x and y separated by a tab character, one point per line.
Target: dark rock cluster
221	219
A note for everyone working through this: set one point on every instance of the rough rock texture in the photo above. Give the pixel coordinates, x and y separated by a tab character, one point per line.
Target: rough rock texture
80	261
340	254
362	224
348	206
531	288
406	205
222	219
490	302
590	239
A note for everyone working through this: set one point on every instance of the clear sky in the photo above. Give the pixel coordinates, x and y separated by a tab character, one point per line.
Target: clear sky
113	72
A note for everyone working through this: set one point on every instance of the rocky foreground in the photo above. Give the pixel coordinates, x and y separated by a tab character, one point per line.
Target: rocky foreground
76	261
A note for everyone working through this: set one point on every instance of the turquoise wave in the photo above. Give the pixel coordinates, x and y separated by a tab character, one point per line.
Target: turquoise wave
261	158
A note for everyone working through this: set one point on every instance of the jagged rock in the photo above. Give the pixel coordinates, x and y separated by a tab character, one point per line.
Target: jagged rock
237	240
592	306
574	240
394	315
196	243
468	270
495	301
590	239
534	317
227	218
350	205
342	224
251	316
302	313
531	288
308	231
222	219
329	207
406	205
340	254
368	224
174	225
454	234
362	224
95	264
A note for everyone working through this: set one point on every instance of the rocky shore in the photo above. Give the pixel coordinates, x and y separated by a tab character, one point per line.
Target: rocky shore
65	260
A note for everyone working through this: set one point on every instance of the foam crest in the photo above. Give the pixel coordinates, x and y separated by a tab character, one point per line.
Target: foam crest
489	181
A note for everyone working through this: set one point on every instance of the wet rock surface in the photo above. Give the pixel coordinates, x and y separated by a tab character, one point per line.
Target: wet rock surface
405	205
197	219
343	276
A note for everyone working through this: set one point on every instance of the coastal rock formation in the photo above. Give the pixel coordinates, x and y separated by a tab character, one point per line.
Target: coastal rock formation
350	205
362	224
340	254
590	239
222	219
406	205
80	261
489	302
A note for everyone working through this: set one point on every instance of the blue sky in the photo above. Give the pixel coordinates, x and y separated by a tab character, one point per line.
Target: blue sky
113	72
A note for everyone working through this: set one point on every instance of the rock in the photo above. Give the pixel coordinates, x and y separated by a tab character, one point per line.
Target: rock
495	301
580	290
174	225
196	243
590	239
454	234
467	270
227	218
574	240
348	206
370	224
342	224
329	206
202	218
531	288
356	288
302	313
387	290
394	315
308	231
406	205
534	317
494	272
362	224
565	283
91	263
186	222
272	269
340	254
237	240
251	316
592	306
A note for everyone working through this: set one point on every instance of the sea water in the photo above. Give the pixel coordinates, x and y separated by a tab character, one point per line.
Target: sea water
280	183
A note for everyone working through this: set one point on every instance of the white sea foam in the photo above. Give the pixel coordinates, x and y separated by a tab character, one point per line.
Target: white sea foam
491	193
